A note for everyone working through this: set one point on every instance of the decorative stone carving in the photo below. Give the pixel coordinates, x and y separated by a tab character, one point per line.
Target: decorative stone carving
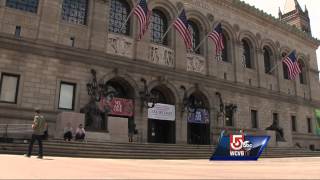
120	45
196	63
161	55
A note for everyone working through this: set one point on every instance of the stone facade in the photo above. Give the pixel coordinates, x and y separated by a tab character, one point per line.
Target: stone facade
43	57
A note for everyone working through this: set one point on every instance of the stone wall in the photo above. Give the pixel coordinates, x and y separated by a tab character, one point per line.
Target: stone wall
43	57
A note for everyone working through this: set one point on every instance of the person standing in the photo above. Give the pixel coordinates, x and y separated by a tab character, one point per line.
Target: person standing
39	126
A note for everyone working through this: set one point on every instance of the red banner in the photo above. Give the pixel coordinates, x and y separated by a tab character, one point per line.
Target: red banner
121	107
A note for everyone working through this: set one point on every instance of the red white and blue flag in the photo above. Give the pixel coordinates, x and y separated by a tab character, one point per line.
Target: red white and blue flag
217	38
293	66
143	14
182	25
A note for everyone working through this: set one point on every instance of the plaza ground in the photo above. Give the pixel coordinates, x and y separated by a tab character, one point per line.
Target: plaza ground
17	167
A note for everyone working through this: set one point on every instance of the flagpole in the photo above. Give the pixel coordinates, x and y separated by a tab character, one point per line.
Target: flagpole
278	63
203	40
164	35
130	14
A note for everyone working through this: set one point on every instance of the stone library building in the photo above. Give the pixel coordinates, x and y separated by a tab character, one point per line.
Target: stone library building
83	62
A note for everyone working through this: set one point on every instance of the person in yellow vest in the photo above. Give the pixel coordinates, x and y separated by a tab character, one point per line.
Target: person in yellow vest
39	126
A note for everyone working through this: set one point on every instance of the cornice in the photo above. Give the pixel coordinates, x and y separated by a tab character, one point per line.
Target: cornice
261	14
266	17
141	67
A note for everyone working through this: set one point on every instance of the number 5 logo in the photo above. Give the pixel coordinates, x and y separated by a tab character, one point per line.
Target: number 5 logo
236	142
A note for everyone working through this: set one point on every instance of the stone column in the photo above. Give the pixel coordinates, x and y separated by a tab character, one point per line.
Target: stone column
182	127
98	26
238	52
260	67
50	15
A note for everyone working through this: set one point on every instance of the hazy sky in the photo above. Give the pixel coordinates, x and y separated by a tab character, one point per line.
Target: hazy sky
313	6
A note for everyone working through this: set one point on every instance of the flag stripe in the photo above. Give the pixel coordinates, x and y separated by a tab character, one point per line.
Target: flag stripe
143	14
293	65
217	38
182	26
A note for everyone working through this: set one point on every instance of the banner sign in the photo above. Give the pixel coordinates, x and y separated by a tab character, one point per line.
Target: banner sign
240	147
162	112
317	113
117	106
201	116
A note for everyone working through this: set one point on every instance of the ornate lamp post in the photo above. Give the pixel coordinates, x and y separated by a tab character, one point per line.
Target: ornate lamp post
225	110
98	108
148	99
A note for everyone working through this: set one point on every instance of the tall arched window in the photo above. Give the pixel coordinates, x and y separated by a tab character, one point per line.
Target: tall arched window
225	39
75	11
302	75
119	11
247	53
26	5
285	67
158	26
267	54
194	30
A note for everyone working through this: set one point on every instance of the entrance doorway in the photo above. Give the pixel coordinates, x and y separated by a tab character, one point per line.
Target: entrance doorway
198	133
198	119
161	126
161	131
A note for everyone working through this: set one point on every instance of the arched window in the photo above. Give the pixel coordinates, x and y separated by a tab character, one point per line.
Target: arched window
26	5
158	26
119	11
75	11
302	75
224	55
267	60
247	54
194	30
285	67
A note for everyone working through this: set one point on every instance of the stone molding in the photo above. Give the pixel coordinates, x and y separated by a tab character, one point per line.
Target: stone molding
196	63
120	45
161	55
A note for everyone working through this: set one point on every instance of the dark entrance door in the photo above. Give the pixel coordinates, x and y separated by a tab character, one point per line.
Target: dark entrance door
198	133
161	131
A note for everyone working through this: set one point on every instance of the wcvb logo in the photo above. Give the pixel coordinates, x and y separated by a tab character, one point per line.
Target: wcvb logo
238	145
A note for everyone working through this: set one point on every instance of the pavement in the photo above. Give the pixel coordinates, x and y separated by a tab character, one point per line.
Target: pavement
20	167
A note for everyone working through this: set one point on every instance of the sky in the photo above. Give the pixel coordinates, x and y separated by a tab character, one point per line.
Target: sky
313	6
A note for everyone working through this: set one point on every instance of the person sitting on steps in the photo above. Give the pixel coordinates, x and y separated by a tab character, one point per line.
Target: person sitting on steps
67	132
80	133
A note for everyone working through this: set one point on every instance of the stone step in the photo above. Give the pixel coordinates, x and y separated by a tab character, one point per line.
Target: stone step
138	151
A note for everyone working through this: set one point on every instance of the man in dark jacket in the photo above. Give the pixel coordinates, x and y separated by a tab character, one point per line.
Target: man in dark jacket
39	126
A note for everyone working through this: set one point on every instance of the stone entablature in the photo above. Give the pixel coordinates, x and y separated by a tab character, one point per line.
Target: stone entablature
120	45
161	55
196	63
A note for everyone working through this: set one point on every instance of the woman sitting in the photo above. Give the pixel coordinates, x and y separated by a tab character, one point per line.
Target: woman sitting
67	132
80	133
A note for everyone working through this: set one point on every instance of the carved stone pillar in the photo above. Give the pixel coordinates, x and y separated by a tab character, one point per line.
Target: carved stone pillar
98	25
49	23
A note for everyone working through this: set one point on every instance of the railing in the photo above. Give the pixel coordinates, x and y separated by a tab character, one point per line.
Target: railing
15	131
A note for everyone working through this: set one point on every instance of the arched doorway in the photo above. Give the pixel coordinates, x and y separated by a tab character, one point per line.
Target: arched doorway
198	118
122	104
161	118
114	98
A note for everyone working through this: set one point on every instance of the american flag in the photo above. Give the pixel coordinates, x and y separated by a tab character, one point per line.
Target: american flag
292	64
143	14
217	38
182	25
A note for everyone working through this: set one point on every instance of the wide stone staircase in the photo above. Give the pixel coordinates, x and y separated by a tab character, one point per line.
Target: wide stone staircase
93	149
